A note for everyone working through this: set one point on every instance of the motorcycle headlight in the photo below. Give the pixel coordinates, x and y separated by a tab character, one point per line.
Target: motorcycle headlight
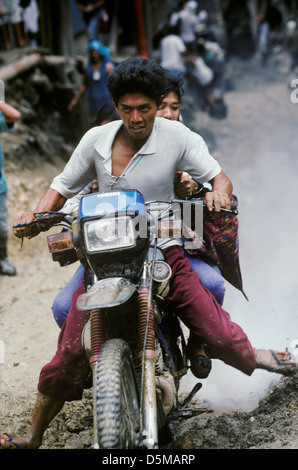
109	234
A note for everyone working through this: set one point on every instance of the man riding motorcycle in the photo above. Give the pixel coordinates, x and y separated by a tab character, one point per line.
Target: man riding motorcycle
122	155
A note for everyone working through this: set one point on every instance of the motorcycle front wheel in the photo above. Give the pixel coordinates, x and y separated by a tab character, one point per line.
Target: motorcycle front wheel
116	398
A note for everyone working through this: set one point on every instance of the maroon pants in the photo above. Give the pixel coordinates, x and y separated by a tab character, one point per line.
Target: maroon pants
204	317
64	377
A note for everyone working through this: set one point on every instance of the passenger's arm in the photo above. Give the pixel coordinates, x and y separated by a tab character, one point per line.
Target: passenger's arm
216	199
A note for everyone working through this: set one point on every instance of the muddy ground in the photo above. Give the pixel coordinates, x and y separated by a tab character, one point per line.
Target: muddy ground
241	418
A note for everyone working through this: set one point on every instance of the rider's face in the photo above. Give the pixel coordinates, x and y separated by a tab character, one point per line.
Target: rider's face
137	112
170	107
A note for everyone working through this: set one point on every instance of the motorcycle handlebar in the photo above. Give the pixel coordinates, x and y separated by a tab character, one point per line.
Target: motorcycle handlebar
47	219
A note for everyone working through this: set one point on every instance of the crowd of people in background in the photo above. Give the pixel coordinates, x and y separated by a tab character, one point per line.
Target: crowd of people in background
19	19
190	47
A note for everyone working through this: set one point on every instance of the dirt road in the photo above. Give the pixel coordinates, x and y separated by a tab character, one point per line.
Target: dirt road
257	147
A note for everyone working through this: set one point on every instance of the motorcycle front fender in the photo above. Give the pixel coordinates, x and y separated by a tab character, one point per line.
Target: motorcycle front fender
106	293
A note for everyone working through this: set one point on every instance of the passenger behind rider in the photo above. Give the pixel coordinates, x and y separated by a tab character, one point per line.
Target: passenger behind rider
137	86
208	272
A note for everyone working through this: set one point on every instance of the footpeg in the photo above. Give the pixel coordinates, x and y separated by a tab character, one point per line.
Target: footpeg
182	411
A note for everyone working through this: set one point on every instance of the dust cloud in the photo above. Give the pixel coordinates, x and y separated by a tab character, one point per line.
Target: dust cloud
257	147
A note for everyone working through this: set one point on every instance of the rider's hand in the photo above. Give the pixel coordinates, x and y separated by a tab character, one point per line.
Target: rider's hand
184	185
28	231
215	200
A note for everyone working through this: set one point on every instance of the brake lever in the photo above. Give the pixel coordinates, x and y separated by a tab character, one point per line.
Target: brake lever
202	202
25	224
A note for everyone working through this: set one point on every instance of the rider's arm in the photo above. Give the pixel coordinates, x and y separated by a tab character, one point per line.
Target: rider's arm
220	196
50	201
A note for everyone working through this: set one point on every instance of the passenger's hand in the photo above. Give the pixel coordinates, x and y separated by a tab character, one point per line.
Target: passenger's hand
216	200
184	185
28	231
95	187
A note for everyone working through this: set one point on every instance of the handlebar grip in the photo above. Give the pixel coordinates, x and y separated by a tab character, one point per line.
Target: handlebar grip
45	220
25	224
35	224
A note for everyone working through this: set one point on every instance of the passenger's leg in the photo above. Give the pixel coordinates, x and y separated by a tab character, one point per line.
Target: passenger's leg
62	301
209	276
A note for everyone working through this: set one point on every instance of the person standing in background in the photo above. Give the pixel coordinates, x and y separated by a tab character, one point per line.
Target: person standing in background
264	43
94	83
187	21
173	52
93	13
10	13
30	16
8	116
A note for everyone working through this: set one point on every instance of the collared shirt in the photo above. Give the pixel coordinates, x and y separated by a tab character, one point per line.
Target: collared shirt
171	146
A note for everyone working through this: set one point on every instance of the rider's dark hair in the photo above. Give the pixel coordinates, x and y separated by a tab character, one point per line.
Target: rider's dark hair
137	75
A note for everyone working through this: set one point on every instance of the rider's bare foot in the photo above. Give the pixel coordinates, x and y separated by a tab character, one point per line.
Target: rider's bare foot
275	361
9	442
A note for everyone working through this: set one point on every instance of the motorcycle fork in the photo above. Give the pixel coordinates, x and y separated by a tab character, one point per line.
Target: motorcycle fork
148	405
98	337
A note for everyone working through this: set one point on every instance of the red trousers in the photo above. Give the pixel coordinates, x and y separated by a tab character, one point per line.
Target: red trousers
65	376
204	317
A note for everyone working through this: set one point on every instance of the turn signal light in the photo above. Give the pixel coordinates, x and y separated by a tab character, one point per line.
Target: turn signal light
60	242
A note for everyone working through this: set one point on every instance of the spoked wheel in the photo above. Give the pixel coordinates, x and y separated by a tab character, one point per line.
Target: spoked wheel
116	398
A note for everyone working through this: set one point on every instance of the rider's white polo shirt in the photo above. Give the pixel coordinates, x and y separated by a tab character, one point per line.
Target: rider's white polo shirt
171	146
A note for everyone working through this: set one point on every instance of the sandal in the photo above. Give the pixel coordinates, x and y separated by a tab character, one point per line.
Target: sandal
200	365
10	441
284	368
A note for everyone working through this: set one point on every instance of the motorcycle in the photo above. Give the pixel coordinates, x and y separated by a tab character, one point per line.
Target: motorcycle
136	348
